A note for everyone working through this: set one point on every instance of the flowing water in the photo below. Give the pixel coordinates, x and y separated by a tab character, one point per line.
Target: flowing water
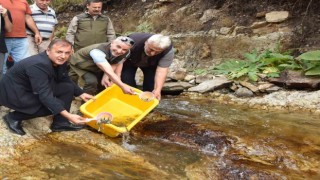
200	139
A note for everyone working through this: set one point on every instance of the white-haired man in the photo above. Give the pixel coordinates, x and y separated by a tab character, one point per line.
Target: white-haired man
153	54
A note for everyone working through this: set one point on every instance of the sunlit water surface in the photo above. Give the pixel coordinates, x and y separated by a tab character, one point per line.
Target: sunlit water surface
262	136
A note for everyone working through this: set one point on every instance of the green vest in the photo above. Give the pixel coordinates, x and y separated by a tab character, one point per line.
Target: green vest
90	31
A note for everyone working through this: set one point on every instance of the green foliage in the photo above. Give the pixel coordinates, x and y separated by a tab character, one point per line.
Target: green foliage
200	71
144	27
269	63
310	55
61	32
266	62
310	62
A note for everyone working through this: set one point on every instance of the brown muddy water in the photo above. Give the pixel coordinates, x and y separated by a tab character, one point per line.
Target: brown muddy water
194	139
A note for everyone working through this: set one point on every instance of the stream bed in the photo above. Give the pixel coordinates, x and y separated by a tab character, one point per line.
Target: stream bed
183	139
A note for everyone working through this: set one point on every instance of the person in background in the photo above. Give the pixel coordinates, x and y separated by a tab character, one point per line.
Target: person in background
90	27
97	64
5	26
46	20
16	40
153	54
40	86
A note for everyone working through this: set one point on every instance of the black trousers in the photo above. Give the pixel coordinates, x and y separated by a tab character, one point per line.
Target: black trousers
129	72
64	93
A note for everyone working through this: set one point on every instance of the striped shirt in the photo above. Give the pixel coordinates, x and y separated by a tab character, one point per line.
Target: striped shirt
45	21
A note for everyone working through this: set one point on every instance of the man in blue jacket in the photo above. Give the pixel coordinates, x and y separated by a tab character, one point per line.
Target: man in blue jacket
39	86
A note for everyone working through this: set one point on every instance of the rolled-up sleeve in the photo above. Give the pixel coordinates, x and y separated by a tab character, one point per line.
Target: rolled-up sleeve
98	56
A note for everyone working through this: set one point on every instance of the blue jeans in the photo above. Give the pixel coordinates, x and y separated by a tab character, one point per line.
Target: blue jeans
17	48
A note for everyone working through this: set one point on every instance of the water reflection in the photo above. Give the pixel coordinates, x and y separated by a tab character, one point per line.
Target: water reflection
287	142
193	139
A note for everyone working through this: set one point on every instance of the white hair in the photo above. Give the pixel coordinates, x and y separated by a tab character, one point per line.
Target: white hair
159	40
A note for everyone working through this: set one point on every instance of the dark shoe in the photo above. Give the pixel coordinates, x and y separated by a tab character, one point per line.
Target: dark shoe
14	126
65	127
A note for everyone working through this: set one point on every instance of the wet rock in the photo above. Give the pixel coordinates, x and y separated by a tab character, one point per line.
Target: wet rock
234	87
207	86
186	133
176	86
295	80
250	86
273	89
203	78
189	77
243	92
218	168
264	86
44	157
178	75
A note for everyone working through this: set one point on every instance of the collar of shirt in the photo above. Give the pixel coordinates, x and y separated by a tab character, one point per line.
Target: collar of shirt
87	13
35	7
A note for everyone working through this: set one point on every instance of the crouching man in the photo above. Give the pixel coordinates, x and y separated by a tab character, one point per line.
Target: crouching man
39	86
100	65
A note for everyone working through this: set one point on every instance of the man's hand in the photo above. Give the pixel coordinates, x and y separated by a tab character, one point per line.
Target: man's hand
76	119
105	81
3	11
86	97
73	118
127	89
37	39
157	94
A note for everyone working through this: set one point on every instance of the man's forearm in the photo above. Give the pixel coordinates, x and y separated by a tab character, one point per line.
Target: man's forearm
160	78
31	24
8	23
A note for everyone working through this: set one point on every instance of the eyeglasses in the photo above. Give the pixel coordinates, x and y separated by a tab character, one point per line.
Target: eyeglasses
127	40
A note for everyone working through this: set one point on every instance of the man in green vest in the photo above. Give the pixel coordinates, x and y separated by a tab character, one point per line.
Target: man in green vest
90	27
99	63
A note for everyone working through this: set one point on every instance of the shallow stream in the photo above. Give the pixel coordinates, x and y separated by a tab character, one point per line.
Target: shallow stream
195	139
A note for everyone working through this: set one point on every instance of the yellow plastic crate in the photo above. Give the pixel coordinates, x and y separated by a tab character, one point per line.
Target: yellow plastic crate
127	110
